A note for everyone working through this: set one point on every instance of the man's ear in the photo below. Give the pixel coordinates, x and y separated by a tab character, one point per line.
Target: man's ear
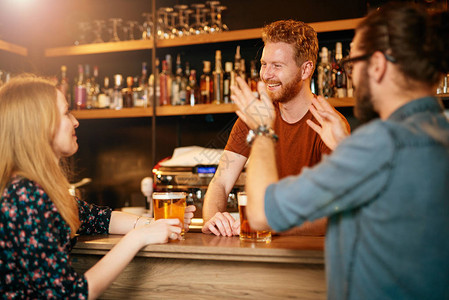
306	70
377	66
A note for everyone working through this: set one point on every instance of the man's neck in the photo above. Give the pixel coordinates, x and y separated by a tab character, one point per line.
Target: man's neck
295	109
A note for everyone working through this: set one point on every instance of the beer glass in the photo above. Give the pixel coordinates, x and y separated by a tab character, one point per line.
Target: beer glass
246	233
170	205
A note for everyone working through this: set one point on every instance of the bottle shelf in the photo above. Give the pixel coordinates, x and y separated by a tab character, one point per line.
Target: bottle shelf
179	110
12	48
228	36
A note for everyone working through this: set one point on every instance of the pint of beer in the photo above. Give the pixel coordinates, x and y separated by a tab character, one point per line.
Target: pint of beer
246	233
170	205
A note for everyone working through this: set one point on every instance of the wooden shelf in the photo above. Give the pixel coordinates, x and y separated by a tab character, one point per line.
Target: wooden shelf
135	112
99	48
235	35
13	48
180	110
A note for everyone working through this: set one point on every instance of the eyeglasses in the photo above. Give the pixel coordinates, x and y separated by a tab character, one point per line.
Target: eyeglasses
347	63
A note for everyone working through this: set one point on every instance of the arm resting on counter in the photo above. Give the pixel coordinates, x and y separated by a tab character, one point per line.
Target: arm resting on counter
216	219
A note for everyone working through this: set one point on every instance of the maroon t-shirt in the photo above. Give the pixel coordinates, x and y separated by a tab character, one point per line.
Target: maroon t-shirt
298	145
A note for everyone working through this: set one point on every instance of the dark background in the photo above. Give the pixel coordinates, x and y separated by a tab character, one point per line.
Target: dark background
116	153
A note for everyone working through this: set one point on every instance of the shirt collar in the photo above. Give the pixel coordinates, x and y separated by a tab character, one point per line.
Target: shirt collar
430	104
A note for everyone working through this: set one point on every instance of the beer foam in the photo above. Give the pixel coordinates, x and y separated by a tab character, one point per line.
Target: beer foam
241	197
168	195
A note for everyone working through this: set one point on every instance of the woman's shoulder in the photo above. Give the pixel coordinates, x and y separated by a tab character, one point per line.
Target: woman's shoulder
23	189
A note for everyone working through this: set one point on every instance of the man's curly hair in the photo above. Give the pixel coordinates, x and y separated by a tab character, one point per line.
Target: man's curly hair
302	36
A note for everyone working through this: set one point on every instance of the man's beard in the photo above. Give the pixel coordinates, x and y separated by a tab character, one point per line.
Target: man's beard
364	109
289	90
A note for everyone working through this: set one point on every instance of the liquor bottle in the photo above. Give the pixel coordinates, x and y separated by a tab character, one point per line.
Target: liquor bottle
227	82
88	83
117	99
163	83
218	79
184	84
141	91
127	93
193	90
104	98
80	90
95	88
338	74
176	84
63	85
206	84
253	78
237	59
170	76
324	74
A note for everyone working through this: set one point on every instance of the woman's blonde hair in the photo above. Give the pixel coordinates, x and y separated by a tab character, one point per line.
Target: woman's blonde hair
29	118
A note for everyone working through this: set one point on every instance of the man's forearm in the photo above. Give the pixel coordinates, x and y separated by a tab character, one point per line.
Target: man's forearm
261	173
214	201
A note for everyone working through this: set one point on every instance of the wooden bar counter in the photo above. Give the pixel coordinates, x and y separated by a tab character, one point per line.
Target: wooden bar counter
210	267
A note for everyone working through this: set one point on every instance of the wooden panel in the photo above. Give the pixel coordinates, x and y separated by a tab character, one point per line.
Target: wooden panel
195	110
328	26
13	48
175	278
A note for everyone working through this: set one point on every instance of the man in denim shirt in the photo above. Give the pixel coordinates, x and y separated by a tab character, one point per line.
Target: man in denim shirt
385	188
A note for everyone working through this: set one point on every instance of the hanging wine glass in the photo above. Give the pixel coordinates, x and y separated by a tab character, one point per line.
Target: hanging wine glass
147	27
181	28
132	26
197	27
221	25
204	21
172	25
83	28
115	24
214	27
163	30
98	29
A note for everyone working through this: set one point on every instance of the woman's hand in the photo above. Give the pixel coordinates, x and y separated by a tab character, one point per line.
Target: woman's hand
252	110
158	232
332	130
188	215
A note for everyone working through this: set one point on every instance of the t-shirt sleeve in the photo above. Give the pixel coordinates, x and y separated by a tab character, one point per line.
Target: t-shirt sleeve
356	173
94	219
237	139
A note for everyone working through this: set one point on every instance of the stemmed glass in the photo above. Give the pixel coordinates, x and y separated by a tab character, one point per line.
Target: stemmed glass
181	29
171	27
163	30
132	25
98	25
214	27
115	23
197	27
147	29
206	25
83	28
221	25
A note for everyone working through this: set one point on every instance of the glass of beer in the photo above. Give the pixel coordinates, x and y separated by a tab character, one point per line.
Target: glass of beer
170	205
246	233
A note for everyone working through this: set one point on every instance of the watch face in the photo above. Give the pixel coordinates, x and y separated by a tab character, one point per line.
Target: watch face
250	137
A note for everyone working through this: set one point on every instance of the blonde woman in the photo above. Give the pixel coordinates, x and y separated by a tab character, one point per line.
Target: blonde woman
39	218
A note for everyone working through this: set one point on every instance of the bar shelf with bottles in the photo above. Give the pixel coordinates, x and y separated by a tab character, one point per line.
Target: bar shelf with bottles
13	48
227	36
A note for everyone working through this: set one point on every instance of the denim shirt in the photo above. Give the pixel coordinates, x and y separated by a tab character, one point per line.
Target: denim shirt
385	190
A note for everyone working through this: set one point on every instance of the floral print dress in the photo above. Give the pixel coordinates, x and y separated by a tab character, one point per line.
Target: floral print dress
35	244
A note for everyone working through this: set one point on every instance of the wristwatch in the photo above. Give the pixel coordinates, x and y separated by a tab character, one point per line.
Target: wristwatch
261	130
